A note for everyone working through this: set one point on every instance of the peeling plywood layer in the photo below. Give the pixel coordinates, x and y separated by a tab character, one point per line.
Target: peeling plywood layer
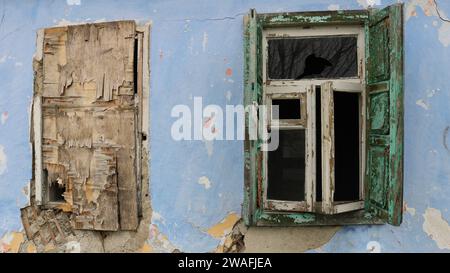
45	227
99	55
89	123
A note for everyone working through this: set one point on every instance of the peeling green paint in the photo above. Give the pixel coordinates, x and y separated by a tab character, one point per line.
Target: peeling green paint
252	93
315	17
384	55
284	218
384	173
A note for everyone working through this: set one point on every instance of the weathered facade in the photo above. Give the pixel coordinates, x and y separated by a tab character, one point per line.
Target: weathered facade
189	195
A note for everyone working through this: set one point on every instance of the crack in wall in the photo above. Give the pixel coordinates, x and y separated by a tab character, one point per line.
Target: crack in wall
438	11
431	8
2	20
233	17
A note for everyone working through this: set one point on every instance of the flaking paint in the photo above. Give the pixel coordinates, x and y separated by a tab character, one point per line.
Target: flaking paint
175	167
224	227
437	228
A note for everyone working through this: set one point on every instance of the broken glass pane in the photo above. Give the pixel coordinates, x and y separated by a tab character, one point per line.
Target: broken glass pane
307	58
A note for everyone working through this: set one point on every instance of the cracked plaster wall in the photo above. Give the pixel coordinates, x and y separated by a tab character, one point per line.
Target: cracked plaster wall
196	187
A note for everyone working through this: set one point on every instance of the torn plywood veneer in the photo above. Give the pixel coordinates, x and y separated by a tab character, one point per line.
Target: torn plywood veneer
46	227
87	108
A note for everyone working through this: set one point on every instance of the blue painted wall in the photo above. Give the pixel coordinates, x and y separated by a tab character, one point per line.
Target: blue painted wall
193	44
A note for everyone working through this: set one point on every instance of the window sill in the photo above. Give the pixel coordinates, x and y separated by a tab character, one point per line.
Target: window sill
360	217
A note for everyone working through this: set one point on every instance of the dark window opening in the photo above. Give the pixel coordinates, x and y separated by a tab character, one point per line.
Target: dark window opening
135	65
286	167
346	135
287	108
55	187
318	146
308	58
56	191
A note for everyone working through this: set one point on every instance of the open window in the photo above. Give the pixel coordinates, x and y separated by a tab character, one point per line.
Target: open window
336	79
342	147
88	132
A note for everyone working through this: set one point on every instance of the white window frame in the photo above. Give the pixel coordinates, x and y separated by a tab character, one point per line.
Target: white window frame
305	89
291	124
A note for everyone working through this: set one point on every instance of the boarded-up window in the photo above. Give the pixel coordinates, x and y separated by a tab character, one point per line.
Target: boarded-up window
87	123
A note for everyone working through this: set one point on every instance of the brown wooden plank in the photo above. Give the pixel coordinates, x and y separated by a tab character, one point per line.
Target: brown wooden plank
126	162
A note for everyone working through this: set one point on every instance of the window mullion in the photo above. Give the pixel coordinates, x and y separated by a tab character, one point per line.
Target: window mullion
327	147
310	181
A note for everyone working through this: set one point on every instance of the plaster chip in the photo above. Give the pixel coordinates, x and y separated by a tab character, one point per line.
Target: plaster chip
205	182
436	227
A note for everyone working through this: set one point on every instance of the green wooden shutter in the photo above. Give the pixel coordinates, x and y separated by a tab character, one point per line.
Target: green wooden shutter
384	64
253	88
